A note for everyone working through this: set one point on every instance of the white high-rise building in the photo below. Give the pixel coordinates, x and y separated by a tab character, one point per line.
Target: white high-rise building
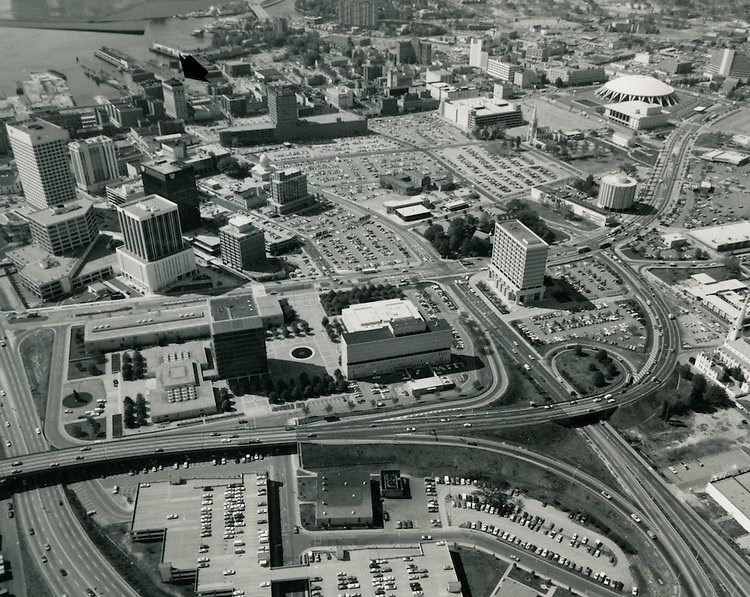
175	104
94	162
519	258
40	149
154	256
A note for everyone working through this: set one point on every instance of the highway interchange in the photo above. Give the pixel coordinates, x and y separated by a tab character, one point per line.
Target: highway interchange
704	563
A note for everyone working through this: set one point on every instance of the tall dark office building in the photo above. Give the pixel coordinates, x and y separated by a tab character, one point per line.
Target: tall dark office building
238	336
175	182
282	104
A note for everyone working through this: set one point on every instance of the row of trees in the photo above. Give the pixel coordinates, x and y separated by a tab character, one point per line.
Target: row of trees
290	389
587	185
133	367
135	413
334	328
334	301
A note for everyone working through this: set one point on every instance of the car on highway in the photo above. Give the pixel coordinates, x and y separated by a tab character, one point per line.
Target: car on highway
32	531
44	559
467	424
635	517
8	443
85	448
54	464
38	431
2	393
7	423
606	495
47	547
79	457
410	429
63	572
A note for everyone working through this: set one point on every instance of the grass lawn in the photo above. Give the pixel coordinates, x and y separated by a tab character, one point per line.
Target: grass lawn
85	429
307	516
307	489
579	371
530	579
481	570
117	425
36	356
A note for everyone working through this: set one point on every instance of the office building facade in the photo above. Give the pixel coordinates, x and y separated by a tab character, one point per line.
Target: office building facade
519	259
729	63
154	256
282	105
175	103
63	228
389	335
41	153
358	13
242	244
175	182
238	336
289	191
94	162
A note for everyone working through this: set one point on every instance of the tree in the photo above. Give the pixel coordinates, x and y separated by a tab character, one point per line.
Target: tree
593	367
598	379
285	395
296	394
93	369
579	351
602	356
231	167
329	408
559	83
76	396
324	322
127	372
226	406
612	370
685	371
732	265
307	392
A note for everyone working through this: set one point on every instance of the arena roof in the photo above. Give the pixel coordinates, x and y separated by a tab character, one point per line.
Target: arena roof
638	87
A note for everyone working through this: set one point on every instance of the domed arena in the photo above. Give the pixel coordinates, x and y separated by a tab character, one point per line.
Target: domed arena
638	87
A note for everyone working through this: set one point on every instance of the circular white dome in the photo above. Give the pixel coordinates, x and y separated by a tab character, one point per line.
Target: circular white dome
619	179
638	88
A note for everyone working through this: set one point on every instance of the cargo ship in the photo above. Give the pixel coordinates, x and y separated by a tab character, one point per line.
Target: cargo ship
166	50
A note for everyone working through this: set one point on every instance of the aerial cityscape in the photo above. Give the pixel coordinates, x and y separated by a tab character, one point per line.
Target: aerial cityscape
463	287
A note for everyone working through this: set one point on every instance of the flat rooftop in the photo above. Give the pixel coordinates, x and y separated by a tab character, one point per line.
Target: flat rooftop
331	118
147	207
737	490
520	232
165	166
714	236
174	317
62	213
485	105
238	306
366	316
345	495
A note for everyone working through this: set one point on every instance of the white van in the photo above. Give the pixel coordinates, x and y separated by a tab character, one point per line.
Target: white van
239	543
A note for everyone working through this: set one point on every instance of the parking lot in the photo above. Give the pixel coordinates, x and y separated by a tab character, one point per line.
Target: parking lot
351	243
615	323
501	175
422	130
536	527
589	278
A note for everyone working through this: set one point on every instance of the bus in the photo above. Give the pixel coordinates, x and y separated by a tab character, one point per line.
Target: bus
582	250
605	245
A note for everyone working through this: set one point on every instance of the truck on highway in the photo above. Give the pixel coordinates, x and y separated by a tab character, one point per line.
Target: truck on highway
582	250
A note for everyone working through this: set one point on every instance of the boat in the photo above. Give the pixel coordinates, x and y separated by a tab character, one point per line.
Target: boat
197	33
19	88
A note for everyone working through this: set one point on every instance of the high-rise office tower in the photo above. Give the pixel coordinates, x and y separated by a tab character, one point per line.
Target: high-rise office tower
94	162
519	258
175	104
242	244
41	152
282	104
175	182
154	256
238	336
359	13
289	191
